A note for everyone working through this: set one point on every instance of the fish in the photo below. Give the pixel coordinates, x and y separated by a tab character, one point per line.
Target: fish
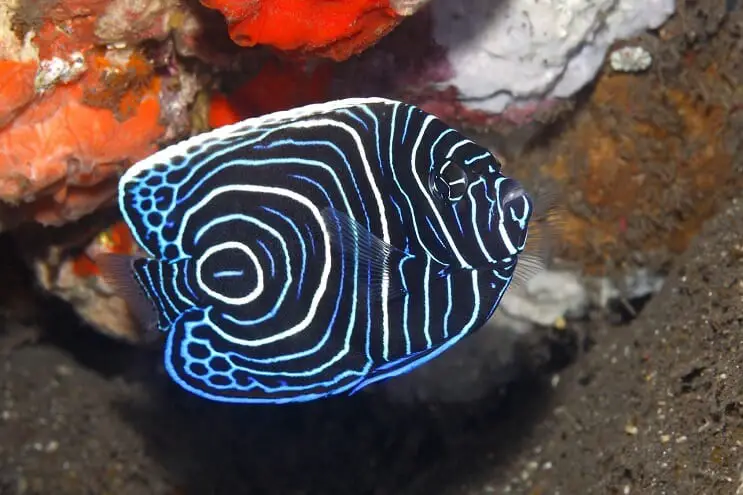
312	252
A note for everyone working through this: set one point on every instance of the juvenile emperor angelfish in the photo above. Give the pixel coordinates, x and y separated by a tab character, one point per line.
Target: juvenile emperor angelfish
315	251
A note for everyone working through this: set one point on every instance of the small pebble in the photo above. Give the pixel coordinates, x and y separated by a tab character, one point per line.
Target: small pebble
630	59
560	323
21	485
63	370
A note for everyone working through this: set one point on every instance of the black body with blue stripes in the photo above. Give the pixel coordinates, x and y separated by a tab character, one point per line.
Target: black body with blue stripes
313	252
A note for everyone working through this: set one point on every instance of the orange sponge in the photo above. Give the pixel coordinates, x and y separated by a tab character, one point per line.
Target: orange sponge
335	29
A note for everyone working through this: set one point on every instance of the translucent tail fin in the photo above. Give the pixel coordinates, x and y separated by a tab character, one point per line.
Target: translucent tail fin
155	291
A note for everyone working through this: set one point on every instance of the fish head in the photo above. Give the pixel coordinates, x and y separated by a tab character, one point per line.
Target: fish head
487	212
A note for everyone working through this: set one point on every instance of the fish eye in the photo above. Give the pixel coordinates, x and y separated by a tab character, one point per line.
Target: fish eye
449	182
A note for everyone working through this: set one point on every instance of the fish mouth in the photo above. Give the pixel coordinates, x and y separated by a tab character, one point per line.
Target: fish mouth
516	208
512	193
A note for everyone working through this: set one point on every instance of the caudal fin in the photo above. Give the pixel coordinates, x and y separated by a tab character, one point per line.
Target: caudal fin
151	288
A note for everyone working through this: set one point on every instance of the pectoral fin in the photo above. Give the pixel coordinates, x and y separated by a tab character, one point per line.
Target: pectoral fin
378	261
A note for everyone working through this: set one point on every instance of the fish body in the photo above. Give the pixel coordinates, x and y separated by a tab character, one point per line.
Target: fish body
315	251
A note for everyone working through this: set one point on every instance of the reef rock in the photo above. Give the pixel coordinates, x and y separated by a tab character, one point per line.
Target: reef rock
80	101
484	62
69	273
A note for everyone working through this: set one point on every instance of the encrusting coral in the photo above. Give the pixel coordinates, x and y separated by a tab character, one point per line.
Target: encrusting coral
335	29
77	106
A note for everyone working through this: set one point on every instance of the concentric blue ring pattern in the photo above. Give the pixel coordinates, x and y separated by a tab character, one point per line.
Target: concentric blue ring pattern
312	252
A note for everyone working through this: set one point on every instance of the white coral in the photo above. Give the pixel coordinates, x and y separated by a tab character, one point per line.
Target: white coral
58	70
511	51
630	59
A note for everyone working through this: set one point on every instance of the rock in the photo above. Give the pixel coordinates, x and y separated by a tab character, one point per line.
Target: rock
73	113
65	272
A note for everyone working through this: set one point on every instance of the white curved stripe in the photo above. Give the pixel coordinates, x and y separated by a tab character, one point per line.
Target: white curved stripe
428	197
234	301
178	292
501	221
457	146
322	287
371	179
